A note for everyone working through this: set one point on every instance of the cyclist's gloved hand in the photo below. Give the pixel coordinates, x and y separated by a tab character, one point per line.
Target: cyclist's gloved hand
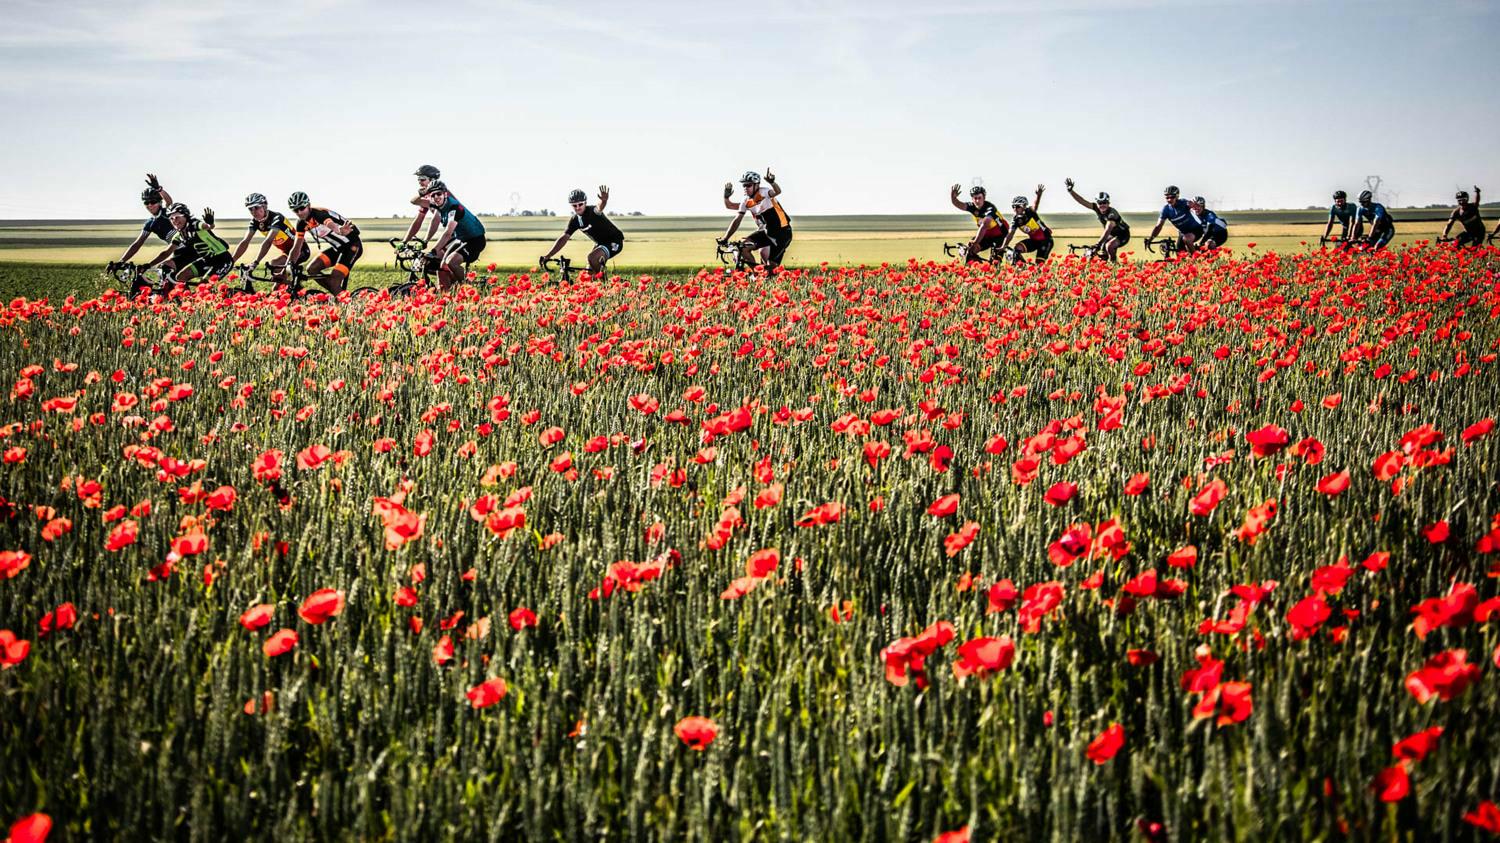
728	190
722	241
208	216
151	181
1068	183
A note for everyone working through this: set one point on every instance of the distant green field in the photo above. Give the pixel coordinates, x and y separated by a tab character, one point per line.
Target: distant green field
51	257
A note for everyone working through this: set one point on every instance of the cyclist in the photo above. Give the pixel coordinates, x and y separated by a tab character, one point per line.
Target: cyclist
1382	226
426	175
1038	235
278	231
1179	212
1466	213
1342	212
991	227
590	219
157	200
190	236
774	227
1116	230
1215	229
462	239
338	237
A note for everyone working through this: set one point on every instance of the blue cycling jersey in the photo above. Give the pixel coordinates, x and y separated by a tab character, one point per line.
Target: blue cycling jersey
1344	215
1375	213
1213	220
1180	215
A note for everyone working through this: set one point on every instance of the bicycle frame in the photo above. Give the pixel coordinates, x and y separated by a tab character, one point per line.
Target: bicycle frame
736	250
563	263
1169	247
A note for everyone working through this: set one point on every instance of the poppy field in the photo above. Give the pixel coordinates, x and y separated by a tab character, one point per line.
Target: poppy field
1159	551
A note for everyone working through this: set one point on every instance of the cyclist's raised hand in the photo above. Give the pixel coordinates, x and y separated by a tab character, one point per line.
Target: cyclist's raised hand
1068	183
151	181
603	192
208	217
1040	189
728	189
956	188
770	176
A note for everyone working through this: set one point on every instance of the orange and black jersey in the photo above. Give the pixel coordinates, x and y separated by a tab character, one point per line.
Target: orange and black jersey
987	216
1028	223
323	224
276	227
768	213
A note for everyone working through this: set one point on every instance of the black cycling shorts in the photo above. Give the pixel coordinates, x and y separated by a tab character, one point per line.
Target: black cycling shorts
467	250
344	256
1469	237
1122	236
611	248
777	243
206	268
1215	237
1042	248
183	256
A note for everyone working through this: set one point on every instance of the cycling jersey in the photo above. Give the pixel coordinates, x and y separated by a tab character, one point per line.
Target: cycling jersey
988	216
205	244
597	226
1122	228
768	213
159	225
1344	215
1375	214
1028	223
276	227
1211	220
1469	216
323	224
1180	215
469	226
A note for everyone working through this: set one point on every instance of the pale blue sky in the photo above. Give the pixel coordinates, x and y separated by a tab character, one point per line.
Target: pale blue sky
860	107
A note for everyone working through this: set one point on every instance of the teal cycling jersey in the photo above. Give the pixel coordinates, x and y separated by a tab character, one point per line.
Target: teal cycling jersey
1342	215
468	226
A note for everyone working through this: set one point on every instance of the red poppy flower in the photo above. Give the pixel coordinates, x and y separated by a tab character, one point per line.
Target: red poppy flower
32	829
943	506
13	562
122	536
696	732
321	605
521	618
1307	616
983	656
1486	816
280	643
1444	676
1418	746
1205	501
960	835
1001	597
1061	493
1267	440
1334	484
1229	700
257	617
1392	784
1184	557
61	618
313	457
1137	484
487	693
1107	745
1436	533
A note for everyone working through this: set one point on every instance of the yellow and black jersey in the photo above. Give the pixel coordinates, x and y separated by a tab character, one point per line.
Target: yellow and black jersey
988	216
768	213
276	227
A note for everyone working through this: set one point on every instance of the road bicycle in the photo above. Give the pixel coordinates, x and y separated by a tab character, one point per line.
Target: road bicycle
563	263
1168	245
1088	250
287	276
997	255
132	278
733	252
413	258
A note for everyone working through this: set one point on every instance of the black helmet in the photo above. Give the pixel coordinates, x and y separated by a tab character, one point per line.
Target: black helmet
150	195
1339	194
1199	200
298	200
1462	196
428	171
577	196
256	199
435	187
976	190
1171	190
179	208
1103	198
1366	196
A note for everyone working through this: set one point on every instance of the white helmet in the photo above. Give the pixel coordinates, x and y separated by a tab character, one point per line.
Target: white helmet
750	177
1019	202
256	199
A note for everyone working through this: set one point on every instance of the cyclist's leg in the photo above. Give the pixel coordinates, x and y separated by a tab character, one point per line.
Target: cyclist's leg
1044	249
1112	247
598	256
320	271
1188	241
778	248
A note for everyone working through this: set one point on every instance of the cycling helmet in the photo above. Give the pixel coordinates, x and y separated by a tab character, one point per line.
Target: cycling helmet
435	187
428	171
179	208
298	200
1019	202
750	177
577	196
150	195
256	199
976	191
1339	194
1199	200
1103	198
1366	197
1462	196
1171	190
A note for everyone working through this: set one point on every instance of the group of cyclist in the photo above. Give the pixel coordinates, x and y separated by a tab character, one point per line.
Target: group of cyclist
455	237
